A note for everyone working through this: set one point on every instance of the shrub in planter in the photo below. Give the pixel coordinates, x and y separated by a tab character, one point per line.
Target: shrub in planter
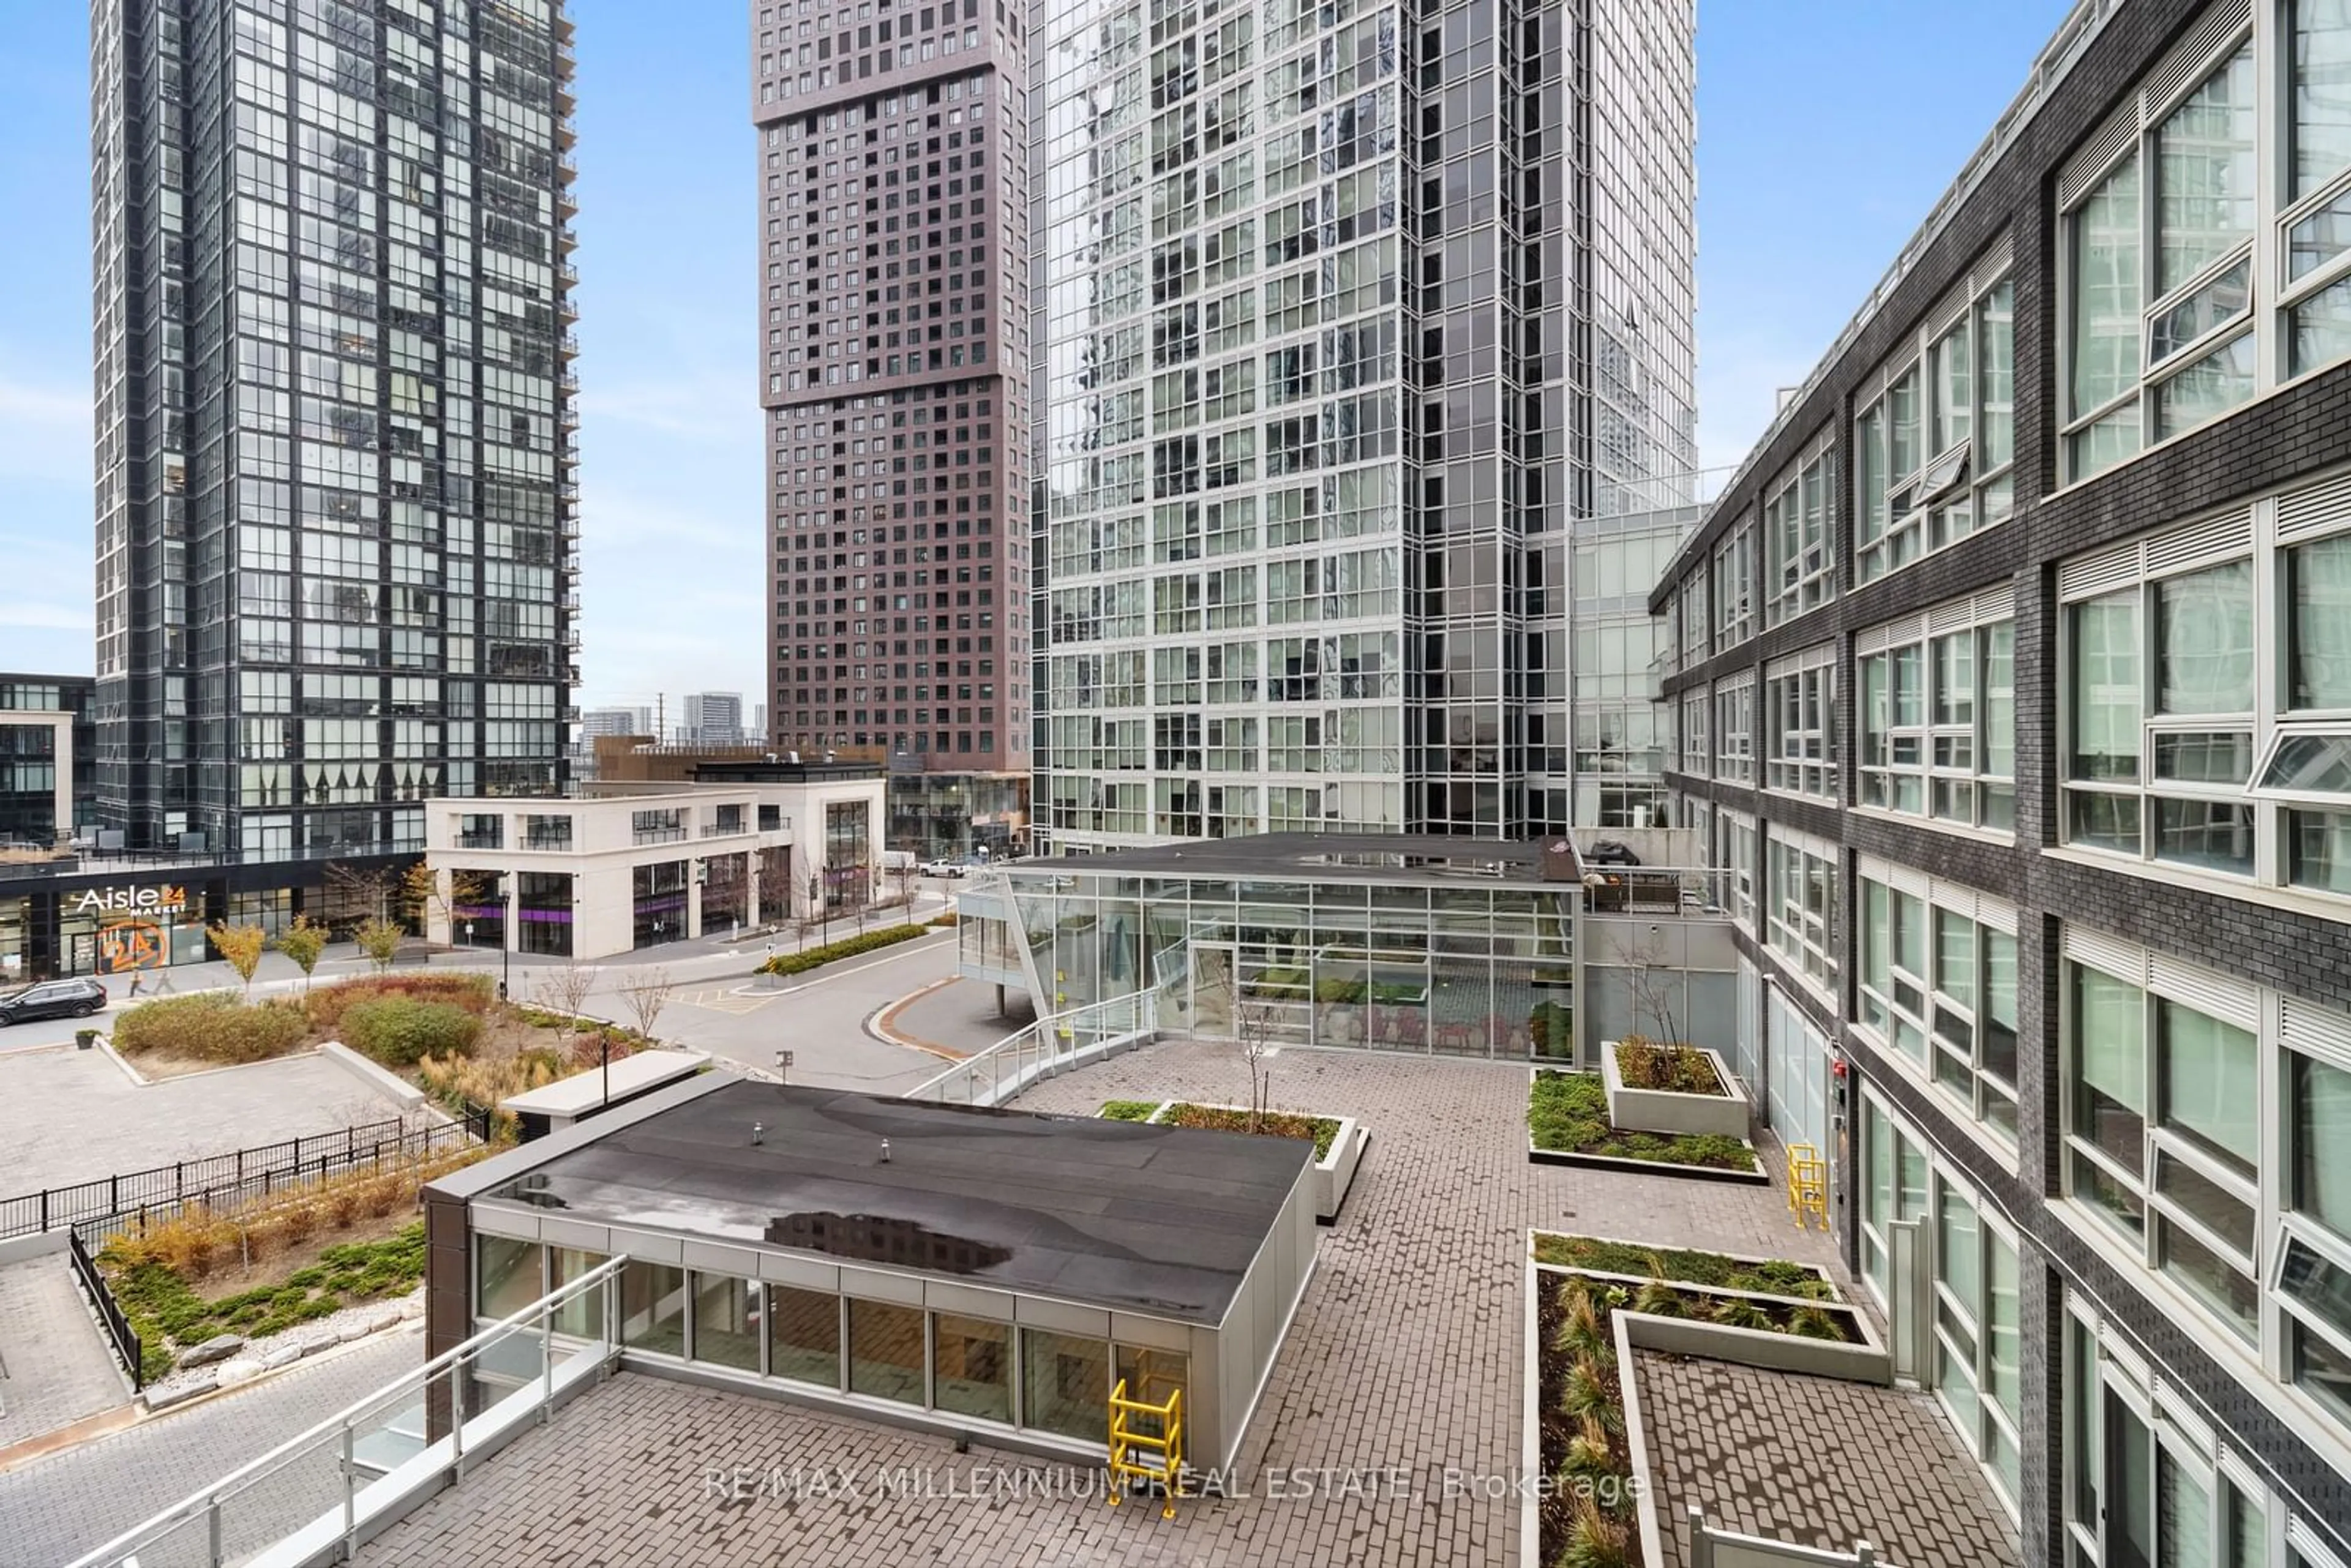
807	959
212	1027
327	1004
399	1031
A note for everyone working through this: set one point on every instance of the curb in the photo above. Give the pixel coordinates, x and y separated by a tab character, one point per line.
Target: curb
879	1025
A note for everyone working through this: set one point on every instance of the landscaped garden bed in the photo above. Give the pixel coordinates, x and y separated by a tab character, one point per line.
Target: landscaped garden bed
290	1259
1671	1089
1338	1140
418	1026
807	959
1584	1429
1568	1123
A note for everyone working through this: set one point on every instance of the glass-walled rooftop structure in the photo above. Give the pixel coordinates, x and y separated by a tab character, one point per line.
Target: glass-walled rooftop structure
1388	943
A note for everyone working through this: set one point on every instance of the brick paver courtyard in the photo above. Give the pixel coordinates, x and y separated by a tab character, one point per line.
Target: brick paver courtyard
1815	1460
1404	1366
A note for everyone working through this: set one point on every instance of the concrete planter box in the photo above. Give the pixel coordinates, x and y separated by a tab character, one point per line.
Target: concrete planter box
1332	1174
1867	1361
1662	1110
1754	1175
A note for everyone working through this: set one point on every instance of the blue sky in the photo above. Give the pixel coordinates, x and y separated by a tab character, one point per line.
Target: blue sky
1818	153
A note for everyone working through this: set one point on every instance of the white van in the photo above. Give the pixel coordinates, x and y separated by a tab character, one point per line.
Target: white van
893	861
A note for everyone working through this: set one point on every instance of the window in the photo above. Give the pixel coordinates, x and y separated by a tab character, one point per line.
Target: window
2208	690
1065	1383
1799	700
1693	735
1733	588
1734	730
2164	304
804	1335
1799	883
1977	1368
2315	1280
885	1351
1732	850
1937	715
727	1321
971	1367
1939	988
1933	448
505	1276
1796	527
2163	1135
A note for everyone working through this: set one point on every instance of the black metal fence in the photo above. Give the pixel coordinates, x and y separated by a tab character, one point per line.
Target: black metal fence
118	1327
95	1209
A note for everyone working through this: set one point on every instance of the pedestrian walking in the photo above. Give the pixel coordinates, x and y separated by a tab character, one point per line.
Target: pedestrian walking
134	985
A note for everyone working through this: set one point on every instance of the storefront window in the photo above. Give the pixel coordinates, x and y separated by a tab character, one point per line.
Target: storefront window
971	1367
652	1307
885	1351
727	1321
1065	1385
804	1336
543	913
659	907
505	1276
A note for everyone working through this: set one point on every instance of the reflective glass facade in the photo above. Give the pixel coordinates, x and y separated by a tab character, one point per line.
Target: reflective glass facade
335	507
1477	970
1327	379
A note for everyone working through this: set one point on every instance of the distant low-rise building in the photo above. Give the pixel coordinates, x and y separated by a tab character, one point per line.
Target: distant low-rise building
722	847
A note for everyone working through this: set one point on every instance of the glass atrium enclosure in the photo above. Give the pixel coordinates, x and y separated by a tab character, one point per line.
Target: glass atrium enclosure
1463	951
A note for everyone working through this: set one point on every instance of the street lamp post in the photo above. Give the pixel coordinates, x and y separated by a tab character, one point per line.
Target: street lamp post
506	933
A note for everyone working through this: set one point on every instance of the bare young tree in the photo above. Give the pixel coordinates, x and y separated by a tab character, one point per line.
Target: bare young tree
564	990
905	876
1655	986
1253	1027
647	993
374	886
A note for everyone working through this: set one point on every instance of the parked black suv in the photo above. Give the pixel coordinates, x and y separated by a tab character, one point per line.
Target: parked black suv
51	1000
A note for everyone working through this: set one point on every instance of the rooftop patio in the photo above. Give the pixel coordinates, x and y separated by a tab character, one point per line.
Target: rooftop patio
1391	1424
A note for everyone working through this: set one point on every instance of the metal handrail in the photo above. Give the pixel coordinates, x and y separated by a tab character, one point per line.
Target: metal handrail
342	1427
1039	1041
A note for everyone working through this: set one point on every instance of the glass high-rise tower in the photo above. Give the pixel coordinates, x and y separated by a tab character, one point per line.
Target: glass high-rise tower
1350	319
336	535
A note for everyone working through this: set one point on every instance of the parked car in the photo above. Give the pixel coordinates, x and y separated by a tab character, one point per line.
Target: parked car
942	868
51	1000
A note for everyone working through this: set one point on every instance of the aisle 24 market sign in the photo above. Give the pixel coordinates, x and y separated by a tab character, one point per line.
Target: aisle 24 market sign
131	901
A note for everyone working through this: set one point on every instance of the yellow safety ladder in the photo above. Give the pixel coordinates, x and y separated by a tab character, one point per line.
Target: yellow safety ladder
1146	1444
1808	1186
